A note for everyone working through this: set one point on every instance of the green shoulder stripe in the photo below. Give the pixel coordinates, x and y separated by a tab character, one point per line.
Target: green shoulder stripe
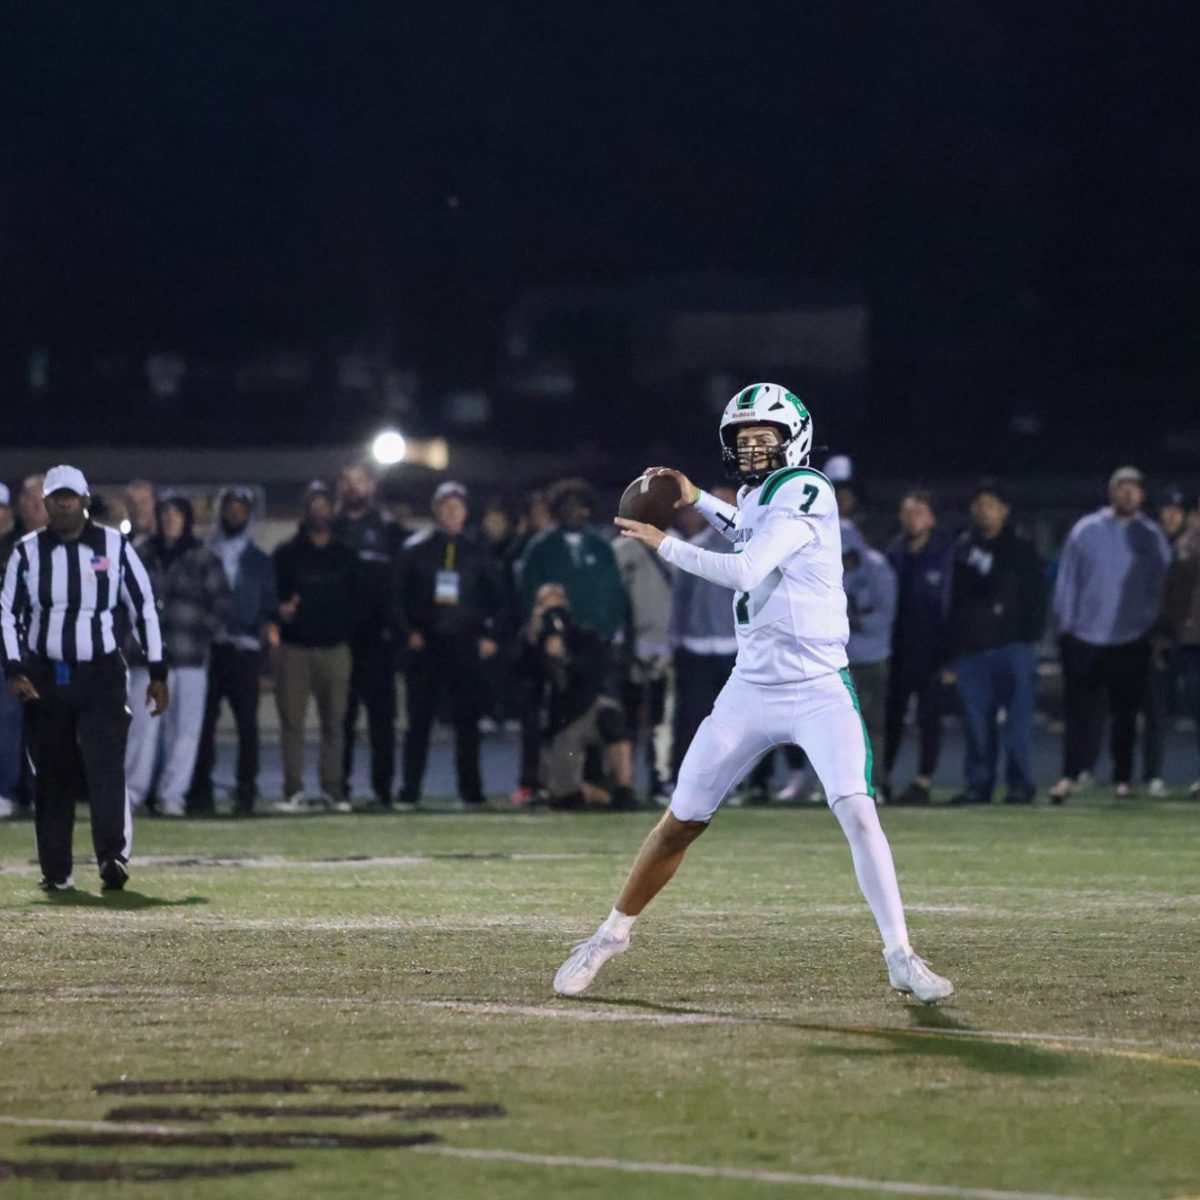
786	475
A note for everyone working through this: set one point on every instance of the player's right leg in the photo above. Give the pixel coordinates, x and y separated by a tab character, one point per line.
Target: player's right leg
830	728
729	741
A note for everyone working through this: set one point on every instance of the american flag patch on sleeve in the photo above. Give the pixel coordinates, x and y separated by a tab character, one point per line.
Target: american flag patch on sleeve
99	562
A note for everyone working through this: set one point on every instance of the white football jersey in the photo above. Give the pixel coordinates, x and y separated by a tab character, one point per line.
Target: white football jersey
786	573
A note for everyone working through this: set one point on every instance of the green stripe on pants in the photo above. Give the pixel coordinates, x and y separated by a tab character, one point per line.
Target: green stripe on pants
870	768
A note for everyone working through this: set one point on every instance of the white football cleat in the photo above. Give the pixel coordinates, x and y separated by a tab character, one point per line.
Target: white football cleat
907	972
1156	788
585	961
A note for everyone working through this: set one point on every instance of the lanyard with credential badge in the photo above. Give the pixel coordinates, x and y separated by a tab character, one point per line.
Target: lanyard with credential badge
447	581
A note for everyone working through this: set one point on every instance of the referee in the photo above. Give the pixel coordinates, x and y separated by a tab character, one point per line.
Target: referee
60	594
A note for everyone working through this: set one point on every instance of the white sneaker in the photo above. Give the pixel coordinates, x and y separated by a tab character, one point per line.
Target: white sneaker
6	808
1122	791
168	808
297	802
585	961
793	789
1194	790
1157	788
907	972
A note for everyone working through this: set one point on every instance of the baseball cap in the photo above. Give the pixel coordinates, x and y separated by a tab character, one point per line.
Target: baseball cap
448	489
1126	475
1172	494
63	478
5	494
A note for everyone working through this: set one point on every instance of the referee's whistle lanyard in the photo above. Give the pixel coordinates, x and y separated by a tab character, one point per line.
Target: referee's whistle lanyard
451	551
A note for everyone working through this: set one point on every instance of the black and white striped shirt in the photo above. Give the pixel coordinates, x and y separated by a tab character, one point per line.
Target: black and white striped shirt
59	599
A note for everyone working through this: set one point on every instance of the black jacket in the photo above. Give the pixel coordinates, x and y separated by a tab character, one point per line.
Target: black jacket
998	594
567	687
377	542
471	605
327	582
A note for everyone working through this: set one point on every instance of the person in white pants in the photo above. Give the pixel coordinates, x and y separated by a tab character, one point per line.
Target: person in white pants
790	684
193	601
165	747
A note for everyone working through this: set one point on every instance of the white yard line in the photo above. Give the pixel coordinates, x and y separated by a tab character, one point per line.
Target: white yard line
1108	1047
842	1182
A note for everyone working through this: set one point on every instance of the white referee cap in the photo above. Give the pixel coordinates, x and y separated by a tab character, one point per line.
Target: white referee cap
65	479
5	495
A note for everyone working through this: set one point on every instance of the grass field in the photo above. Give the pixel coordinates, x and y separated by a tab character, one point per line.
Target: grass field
749	1029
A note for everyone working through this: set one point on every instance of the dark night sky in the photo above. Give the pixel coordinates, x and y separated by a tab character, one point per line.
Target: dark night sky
1014	185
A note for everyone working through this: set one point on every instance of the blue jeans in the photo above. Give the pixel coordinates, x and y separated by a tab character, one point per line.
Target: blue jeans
988	681
10	742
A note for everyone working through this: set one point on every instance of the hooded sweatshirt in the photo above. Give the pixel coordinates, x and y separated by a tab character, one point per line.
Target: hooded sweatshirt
999	593
191	590
870	585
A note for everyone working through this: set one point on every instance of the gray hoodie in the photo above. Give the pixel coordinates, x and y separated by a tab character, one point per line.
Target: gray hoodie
870	585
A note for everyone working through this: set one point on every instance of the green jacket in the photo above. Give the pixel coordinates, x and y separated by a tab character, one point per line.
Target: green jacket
591	579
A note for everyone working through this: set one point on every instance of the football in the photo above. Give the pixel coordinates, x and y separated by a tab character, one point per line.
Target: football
650	498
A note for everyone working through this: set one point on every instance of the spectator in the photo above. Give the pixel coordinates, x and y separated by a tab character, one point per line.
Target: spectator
997	614
702	635
535	520
236	662
1163	684
497	532
31	505
497	537
454	601
1107	599
580	560
10	706
566	665
870	585
1180	625
318	585
377	541
192	594
8	525
140	511
921	555
647	675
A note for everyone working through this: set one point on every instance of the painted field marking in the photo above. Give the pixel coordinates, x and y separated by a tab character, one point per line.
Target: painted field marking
1081	1043
842	1182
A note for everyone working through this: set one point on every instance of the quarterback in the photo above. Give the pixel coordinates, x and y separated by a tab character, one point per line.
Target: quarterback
790	683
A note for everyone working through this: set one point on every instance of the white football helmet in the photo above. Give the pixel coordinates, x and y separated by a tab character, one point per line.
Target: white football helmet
766	404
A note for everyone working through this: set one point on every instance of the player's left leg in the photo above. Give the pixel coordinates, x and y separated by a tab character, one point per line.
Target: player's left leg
829	726
726	745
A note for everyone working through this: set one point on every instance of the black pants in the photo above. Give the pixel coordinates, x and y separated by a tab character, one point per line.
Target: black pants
646	698
903	682
232	676
77	735
699	679
373	687
436	677
1090	674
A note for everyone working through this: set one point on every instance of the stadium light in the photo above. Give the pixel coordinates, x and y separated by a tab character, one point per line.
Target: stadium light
388	448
